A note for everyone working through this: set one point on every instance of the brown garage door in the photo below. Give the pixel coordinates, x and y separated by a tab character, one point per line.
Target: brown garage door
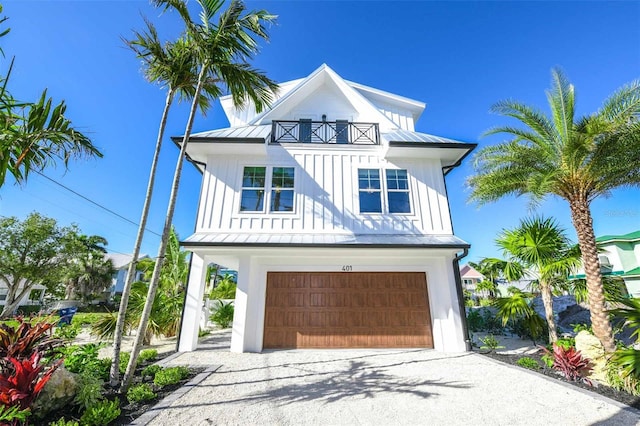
347	310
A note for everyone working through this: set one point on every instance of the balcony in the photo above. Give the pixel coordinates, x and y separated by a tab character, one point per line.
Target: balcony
325	132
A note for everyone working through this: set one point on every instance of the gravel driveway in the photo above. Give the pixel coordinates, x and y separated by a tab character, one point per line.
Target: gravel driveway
378	387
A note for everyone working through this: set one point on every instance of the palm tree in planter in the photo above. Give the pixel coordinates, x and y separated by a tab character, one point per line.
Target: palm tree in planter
575	158
223	50
174	66
541	245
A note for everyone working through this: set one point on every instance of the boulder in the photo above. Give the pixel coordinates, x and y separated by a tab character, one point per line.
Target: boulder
58	392
591	348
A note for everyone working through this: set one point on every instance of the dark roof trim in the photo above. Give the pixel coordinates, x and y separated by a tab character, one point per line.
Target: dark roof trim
176	140
203	139
463	145
316	245
447	169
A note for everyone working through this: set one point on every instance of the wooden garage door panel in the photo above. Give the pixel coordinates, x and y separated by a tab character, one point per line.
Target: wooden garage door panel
346	310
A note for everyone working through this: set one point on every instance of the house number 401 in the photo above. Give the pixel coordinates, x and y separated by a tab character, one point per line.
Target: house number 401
347	268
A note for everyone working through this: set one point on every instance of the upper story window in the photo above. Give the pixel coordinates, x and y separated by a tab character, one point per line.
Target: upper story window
280	192
396	187
282	189
253	180
370	190
398	191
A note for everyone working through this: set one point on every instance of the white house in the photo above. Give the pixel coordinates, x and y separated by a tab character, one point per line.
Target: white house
334	212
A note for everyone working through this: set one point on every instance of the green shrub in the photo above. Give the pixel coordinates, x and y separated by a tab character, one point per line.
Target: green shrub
223	316
104	327
529	363
140	393
89	392
475	321
226	289
485	302
492	323
27	310
13	414
148	355
67	331
151	370
84	359
101	414
170	376
124	360
63	422
617	379
490	342
82	318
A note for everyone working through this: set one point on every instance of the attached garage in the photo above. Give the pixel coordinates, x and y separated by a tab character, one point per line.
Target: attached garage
347	310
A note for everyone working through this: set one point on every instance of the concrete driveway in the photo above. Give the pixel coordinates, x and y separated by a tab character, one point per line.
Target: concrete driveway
377	387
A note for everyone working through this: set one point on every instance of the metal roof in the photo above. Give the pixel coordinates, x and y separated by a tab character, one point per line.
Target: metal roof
242	132
409	136
324	240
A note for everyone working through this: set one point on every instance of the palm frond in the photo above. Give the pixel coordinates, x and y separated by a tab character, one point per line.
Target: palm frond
561	98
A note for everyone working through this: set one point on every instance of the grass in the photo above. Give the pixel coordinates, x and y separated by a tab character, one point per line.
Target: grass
84	318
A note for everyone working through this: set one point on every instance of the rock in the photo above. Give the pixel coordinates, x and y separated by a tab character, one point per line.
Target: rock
574	314
591	348
58	392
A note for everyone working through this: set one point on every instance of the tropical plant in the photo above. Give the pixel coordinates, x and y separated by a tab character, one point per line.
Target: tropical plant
13	414
627	314
35	134
140	393
528	362
223	316
223	50
89	391
621	373
570	362
90	272
63	422
102	413
490	343
613	287
20	385
174	66
84	359
576	159
25	339
541	245
518	308
487	288
170	376
224	289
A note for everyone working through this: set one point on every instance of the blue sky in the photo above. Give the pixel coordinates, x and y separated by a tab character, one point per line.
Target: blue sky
458	57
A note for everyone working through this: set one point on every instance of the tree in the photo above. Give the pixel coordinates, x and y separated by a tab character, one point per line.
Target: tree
90	272
576	159
33	251
223	51
173	66
540	245
35	134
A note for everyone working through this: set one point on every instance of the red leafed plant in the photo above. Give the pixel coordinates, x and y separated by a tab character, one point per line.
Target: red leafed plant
570	362
20	385
26	339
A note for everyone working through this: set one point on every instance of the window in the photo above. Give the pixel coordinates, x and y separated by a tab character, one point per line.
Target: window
398	191
282	189
253	180
370	190
396	188
278	196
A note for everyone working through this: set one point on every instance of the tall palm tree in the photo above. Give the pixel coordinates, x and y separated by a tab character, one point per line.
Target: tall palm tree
542	246
174	66
222	50
576	159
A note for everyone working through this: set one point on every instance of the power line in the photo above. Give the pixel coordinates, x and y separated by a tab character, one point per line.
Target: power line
95	203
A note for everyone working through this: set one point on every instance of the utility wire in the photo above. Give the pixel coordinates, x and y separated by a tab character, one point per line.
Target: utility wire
95	203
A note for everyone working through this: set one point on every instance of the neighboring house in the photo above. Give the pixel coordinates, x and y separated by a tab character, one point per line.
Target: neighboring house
470	277
620	256
334	212
121	264
35	297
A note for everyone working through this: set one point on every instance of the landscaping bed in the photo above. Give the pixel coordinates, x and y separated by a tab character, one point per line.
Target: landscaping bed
604	390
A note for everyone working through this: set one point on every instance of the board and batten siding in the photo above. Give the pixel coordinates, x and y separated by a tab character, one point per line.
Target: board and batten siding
326	194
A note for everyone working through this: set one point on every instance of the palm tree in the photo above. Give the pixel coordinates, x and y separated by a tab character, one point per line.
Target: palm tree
542	246
174	66
576	159
222	50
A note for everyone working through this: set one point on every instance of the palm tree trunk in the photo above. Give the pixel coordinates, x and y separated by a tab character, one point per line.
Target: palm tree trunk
114	375
582	221
155	278
547	300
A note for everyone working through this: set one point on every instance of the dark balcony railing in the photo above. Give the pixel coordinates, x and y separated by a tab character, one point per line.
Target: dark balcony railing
338	132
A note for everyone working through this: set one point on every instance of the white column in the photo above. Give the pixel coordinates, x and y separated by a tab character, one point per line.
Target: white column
193	305
239	330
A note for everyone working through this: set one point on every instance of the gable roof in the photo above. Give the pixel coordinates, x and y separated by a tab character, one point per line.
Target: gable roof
323	75
468	271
